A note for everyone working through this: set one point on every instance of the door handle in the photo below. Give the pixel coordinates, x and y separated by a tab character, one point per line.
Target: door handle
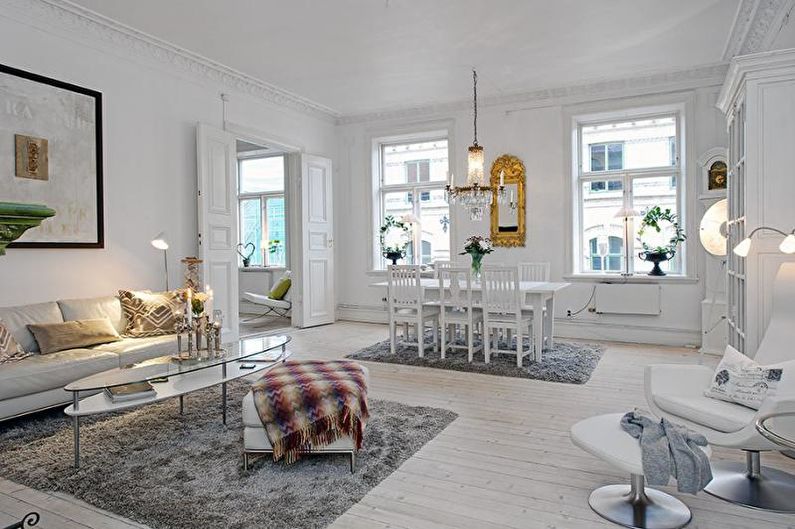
331	243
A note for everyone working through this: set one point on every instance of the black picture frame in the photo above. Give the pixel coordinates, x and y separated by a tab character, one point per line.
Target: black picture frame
97	96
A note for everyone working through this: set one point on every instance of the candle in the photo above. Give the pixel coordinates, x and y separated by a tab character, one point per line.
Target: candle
189	307
208	306
502	178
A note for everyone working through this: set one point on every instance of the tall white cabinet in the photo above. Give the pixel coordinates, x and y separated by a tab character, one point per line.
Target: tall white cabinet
758	98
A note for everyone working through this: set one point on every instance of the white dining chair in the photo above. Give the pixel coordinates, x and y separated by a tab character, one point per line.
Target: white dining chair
407	306
457	310
502	310
534	271
441	265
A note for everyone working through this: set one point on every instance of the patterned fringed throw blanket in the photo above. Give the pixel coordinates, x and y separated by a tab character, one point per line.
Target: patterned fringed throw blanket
311	404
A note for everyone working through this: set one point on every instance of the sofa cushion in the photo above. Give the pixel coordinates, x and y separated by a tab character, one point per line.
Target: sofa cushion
150	313
45	372
75	334
716	414
133	350
17	319
10	350
94	308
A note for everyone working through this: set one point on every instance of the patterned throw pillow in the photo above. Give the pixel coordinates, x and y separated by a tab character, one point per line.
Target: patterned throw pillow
10	350
149	313
740	380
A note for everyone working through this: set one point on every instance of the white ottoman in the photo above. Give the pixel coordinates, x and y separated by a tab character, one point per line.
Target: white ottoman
255	440
632	505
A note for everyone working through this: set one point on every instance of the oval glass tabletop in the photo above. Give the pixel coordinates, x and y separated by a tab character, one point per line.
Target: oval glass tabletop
253	349
779	428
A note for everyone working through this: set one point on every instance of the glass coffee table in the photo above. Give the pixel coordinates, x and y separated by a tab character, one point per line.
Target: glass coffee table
170	377
778	428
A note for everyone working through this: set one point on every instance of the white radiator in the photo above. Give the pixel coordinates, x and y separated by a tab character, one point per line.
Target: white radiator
616	298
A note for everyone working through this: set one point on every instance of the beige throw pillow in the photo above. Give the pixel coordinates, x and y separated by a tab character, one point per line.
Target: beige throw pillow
150	313
54	337
10	350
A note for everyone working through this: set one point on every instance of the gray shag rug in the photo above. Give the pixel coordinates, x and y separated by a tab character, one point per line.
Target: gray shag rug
178	472
570	363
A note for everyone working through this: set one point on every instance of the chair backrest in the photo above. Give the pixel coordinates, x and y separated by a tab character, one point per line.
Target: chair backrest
501	289
776	345
455	288
405	287
441	265
534	271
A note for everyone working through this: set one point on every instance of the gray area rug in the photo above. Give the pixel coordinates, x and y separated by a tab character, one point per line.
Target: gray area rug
178	472
571	363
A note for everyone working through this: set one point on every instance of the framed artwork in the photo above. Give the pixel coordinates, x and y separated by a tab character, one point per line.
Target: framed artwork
51	154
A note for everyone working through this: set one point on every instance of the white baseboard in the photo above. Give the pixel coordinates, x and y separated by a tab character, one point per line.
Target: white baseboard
564	328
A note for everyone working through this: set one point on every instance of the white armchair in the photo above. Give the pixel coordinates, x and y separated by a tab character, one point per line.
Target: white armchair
676	392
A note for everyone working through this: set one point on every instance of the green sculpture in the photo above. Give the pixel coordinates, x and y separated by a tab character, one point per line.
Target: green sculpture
17	218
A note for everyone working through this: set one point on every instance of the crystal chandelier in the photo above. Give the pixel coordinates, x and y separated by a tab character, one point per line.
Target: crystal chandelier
477	194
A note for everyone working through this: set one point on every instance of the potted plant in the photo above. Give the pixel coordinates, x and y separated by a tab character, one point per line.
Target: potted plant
395	237
476	247
659	234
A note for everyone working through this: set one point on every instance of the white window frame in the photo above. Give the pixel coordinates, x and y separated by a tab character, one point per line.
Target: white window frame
264	197
627	176
378	189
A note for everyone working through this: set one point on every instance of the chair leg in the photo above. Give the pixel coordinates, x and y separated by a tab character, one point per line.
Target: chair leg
420	336
752	485
519	346
245	460
486	344
392	336
435	324
353	461
443	338
470	341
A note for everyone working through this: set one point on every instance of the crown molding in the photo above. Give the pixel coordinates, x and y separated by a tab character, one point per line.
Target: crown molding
85	23
709	75
755	26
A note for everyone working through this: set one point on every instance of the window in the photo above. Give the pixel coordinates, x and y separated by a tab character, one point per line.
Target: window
642	156
262	210
410	185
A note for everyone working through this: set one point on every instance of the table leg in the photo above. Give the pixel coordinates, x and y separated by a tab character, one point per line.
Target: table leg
538	326
550	321
76	427
181	404
223	392
223	400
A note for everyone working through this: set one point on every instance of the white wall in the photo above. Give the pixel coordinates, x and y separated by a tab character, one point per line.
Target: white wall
150	113
538	137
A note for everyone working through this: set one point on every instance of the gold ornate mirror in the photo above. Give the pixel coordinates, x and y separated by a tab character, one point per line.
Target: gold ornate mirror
508	218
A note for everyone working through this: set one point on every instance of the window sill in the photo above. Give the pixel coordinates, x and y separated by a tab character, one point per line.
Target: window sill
637	278
261	269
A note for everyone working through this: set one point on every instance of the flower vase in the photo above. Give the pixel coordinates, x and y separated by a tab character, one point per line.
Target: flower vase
477	264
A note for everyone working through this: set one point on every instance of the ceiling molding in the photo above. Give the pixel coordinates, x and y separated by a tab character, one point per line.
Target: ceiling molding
710	75
129	41
755	26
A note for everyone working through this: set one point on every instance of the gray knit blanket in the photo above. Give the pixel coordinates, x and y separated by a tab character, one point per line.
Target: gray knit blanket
668	451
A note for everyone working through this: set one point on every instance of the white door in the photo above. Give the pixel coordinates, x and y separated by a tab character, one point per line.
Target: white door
217	172
317	248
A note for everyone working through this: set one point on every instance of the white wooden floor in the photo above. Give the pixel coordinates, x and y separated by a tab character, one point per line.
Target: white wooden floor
506	462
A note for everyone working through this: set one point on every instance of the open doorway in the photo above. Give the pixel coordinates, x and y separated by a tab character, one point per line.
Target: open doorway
263	175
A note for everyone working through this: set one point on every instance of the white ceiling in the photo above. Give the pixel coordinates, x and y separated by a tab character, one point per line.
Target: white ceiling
359	56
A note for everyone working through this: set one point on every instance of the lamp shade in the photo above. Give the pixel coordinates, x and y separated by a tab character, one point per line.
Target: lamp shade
160	241
625	213
743	248
712	230
788	244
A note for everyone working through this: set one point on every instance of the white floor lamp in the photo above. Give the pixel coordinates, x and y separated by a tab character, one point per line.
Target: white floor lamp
160	243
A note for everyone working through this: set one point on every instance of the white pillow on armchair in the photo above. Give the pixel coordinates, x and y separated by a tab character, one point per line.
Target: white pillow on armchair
741	380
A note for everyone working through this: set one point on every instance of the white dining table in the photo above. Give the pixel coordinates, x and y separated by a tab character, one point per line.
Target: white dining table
538	296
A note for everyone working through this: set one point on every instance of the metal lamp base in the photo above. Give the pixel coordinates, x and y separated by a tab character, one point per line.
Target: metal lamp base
752	485
639	507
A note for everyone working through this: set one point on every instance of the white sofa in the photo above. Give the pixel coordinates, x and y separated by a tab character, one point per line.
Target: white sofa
37	382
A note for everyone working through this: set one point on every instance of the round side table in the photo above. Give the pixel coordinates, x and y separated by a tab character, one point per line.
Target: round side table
778	428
